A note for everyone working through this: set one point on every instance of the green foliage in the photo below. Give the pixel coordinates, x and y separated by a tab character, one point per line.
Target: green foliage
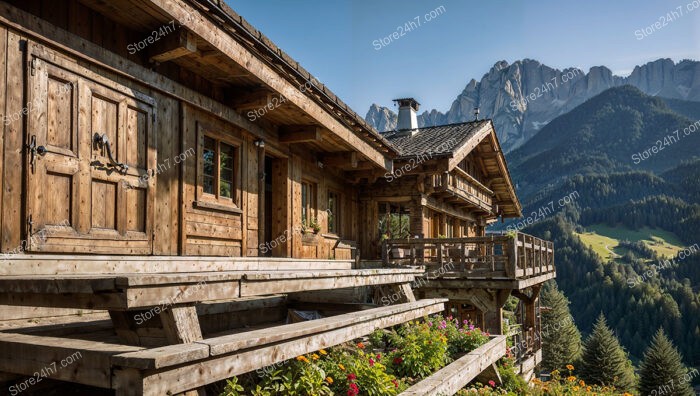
420	350
232	388
367	372
512	382
662	371
395	226
561	339
376	338
298	377
604	361
314	225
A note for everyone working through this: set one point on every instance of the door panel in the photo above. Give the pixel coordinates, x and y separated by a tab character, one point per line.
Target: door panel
90	184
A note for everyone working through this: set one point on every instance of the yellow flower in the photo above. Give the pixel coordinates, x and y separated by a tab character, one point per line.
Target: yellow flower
588	388
315	356
571	378
582	383
627	394
555	372
569	367
340	366
329	380
575	388
300	358
323	352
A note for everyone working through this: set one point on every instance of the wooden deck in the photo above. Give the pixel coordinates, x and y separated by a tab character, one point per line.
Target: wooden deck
495	261
134	370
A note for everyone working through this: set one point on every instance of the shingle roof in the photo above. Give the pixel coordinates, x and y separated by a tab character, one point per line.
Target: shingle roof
438	141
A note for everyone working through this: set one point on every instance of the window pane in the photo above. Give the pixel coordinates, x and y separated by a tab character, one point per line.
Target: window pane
226	170
208	168
332	212
304	202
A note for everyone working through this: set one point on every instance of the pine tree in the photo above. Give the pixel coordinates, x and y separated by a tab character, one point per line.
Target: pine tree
604	361
561	339
662	371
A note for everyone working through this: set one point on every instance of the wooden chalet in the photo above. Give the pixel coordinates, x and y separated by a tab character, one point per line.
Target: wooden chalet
174	185
178	182
448	184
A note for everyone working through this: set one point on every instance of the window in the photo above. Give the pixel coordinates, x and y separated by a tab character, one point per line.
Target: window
219	171
333	212
308	202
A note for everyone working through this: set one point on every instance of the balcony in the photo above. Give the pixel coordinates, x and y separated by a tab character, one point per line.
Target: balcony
515	261
461	186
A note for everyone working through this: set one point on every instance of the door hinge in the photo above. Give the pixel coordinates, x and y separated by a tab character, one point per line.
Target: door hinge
30	225
33	65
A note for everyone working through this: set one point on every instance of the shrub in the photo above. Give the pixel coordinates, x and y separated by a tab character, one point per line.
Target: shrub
420	350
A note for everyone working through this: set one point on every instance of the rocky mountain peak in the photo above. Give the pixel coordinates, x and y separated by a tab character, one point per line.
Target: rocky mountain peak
524	96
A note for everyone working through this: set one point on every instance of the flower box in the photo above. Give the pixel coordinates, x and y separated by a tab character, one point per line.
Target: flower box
456	375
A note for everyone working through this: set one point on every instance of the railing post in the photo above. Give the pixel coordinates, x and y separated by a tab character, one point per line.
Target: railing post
385	253
438	245
413	254
462	257
512	266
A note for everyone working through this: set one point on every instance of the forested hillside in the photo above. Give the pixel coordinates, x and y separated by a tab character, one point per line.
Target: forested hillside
589	151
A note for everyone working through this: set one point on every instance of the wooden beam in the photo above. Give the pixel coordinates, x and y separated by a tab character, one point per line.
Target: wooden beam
201	25
343	160
173	46
300	134
459	373
251	100
229	360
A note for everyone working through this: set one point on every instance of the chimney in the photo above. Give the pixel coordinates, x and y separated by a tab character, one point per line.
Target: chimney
407	113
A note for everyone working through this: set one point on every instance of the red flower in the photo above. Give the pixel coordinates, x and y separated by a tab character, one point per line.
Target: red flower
354	390
361	345
379	356
492	383
398	360
371	362
396	383
352	377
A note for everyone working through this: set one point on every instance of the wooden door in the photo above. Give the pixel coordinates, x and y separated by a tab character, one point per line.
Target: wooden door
79	199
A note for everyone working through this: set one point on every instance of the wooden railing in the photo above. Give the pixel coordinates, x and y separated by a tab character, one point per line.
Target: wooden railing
494	256
524	342
465	186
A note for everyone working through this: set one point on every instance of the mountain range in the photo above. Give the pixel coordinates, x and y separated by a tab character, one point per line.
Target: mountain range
526	95
636	208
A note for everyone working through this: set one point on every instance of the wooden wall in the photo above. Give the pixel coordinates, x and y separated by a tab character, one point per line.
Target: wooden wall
179	225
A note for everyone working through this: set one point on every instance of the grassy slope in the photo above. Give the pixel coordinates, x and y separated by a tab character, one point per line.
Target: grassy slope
599	236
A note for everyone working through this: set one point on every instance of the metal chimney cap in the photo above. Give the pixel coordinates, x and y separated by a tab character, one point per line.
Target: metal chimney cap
407	102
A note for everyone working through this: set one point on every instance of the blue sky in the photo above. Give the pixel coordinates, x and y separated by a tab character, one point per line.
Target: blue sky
335	40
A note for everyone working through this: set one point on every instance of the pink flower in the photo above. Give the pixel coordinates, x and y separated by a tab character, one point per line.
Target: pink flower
492	383
398	360
379	356
449	317
430	324
371	362
352	377
354	390
471	327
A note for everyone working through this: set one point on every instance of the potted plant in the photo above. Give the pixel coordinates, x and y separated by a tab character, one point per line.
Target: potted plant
313	224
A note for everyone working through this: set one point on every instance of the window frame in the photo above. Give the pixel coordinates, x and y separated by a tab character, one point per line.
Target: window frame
311	207
216	201
335	213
